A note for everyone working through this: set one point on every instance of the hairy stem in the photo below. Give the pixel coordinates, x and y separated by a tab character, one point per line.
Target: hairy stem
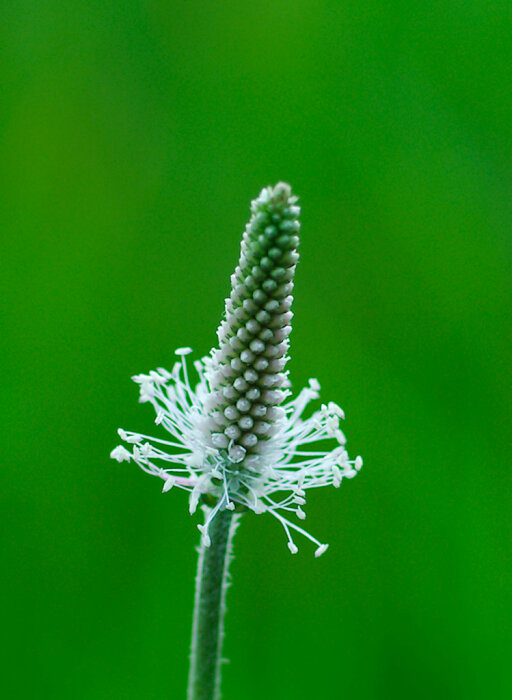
209	609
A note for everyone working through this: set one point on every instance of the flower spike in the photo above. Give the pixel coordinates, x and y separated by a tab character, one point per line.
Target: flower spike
237	441
247	371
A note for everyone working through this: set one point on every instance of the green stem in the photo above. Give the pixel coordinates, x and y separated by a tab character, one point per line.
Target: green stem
209	609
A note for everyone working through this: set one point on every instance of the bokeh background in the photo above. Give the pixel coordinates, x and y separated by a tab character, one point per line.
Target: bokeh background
134	135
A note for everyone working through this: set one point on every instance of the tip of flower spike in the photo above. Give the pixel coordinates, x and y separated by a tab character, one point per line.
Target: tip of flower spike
293	547
321	550
280	194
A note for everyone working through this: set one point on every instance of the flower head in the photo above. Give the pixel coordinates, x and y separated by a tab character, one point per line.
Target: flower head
237	439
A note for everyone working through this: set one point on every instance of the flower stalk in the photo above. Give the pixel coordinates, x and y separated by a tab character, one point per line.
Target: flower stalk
209	609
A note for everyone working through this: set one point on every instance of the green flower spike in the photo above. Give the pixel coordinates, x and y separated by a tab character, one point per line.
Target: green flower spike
237	441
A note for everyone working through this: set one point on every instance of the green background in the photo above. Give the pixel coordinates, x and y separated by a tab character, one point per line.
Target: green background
133	137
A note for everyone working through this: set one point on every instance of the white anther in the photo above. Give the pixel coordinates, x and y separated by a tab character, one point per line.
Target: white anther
133	439
336	410
168	484
321	550
120	454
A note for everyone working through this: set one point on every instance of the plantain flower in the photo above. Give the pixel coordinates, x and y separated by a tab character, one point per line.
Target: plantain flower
237	440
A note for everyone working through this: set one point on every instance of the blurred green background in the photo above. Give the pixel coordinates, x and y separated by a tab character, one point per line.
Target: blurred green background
134	135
